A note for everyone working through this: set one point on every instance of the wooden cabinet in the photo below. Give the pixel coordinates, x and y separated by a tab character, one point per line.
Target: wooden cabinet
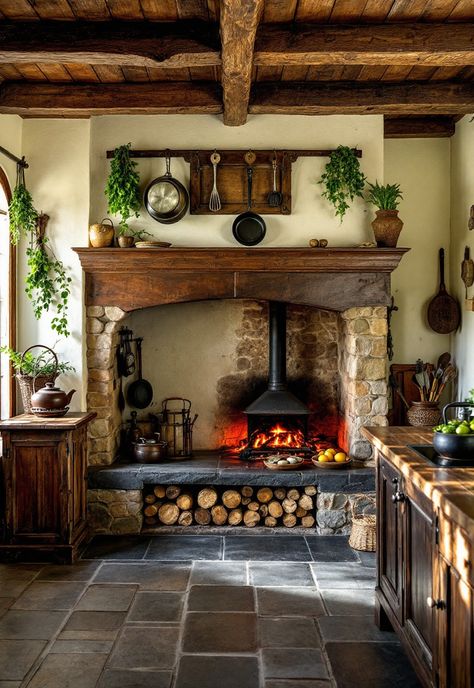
44	490
424	581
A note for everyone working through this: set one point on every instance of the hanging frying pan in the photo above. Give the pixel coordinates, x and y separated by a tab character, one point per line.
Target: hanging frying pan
444	314
165	198
140	392
249	228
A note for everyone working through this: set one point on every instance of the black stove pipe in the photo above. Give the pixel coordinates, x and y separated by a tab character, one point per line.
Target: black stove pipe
277	346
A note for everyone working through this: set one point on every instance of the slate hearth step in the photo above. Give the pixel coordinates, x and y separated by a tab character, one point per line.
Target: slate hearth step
208	468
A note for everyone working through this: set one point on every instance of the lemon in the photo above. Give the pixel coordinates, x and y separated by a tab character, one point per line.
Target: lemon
324	457
340	457
332	451
329	456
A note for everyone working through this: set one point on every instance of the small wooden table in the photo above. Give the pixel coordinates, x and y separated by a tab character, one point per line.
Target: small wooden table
43	478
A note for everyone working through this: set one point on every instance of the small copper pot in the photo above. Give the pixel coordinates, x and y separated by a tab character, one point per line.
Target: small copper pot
149	450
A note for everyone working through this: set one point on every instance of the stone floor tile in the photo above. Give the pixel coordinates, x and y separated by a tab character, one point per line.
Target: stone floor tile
10	684
217	672
288	632
293	663
219	573
344	575
80	571
172	576
88	635
275	683
49	596
17	657
19	571
352	628
117	547
95	621
185	547
264	548
107	598
30	625
221	632
79	646
69	671
330	548
285	573
143	648
343	602
289	602
378	665
117	678
221	598
5	604
368	559
13	587
156	606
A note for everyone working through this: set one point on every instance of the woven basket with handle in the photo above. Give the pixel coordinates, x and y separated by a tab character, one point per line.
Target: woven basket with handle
363	535
28	384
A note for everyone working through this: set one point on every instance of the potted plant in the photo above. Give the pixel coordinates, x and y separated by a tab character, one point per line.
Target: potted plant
342	180
34	370
387	225
123	192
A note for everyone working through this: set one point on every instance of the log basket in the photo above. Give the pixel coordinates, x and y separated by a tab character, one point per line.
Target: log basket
29	384
363	535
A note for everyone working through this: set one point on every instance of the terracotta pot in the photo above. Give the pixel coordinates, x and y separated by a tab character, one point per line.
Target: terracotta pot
387	227
102	235
125	241
424	413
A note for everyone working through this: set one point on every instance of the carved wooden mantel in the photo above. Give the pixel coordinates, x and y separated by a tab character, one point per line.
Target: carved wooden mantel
334	278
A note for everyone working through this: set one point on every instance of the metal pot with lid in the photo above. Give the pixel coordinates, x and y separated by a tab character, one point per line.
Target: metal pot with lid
149	449
166	199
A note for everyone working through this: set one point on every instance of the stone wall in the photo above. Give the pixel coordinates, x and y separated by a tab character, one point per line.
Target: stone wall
115	512
334	511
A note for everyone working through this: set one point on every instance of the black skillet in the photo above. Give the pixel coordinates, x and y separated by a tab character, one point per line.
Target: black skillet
140	392
249	228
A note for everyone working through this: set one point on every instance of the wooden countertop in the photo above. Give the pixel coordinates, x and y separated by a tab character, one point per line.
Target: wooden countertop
451	489
72	420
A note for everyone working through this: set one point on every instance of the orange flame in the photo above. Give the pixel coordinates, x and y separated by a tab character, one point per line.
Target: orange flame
277	437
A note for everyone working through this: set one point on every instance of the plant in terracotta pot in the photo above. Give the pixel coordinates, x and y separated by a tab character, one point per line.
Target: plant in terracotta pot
123	193
343	179
387	225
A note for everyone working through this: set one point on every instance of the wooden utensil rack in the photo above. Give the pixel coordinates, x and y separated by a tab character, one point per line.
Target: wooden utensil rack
232	177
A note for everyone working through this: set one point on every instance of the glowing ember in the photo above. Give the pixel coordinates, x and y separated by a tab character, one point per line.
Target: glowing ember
277	437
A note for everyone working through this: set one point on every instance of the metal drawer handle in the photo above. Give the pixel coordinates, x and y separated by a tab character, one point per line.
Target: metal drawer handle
434	604
398	497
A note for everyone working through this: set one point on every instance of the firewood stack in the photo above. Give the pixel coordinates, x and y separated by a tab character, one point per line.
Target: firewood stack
170	505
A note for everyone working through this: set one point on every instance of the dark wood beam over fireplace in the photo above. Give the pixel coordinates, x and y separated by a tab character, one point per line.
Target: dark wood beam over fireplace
335	278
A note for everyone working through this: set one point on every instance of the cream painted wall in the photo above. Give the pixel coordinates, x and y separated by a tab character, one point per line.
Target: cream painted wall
462	197
10	138
311	216
58	179
421	167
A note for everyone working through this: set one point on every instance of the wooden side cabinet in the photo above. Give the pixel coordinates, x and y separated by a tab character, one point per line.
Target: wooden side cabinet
43	487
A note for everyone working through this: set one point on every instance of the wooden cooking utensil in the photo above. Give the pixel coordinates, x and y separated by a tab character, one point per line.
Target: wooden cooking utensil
467	269
444	314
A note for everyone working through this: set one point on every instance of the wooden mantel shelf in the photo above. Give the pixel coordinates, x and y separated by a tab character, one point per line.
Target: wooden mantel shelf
139	278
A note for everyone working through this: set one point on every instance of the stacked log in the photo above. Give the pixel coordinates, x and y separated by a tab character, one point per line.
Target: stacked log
244	506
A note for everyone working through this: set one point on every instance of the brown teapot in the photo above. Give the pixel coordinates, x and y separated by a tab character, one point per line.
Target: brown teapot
50	400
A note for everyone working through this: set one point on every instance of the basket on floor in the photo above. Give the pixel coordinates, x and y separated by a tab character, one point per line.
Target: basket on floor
364	527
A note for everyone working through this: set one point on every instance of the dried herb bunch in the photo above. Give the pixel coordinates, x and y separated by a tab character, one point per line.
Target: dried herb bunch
342	180
21	211
123	187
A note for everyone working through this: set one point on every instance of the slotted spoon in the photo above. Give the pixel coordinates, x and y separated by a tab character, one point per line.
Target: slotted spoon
214	199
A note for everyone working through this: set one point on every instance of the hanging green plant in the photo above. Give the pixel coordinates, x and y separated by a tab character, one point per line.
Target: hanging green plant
47	284
123	187
21	211
342	180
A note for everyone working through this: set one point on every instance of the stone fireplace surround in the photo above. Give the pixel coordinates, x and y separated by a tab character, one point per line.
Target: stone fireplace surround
355	283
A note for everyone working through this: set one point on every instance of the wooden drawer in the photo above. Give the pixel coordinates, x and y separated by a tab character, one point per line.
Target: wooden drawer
455	546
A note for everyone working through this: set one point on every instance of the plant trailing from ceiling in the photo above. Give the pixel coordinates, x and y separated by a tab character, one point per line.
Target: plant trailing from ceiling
342	180
385	196
29	364
21	211
123	187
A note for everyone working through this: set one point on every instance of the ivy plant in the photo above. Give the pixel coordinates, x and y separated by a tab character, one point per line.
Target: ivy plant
123	187
342	179
21	211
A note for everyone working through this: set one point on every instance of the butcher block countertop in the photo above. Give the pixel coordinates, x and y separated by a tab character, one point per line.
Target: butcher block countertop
450	489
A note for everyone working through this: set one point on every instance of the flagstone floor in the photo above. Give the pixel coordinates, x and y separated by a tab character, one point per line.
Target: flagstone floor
191	611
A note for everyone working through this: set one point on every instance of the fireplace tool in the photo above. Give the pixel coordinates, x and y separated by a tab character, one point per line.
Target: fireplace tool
176	427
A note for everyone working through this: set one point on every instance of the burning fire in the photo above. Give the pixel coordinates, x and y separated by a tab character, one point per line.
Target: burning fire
276	438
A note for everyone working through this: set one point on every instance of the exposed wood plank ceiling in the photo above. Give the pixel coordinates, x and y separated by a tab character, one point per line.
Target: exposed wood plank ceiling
411	60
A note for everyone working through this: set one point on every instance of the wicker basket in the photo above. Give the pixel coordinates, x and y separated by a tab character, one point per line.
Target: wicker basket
364	531
28	384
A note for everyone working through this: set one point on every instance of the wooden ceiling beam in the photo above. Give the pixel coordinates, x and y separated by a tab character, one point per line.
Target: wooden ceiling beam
144	44
368	44
42	99
238	27
359	98
427	127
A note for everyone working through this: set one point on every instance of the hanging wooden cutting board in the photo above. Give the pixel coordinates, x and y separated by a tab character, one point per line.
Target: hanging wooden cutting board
444	314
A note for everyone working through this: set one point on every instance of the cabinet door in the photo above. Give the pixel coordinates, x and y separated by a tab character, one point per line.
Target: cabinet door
389	535
34	490
418	558
454	628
